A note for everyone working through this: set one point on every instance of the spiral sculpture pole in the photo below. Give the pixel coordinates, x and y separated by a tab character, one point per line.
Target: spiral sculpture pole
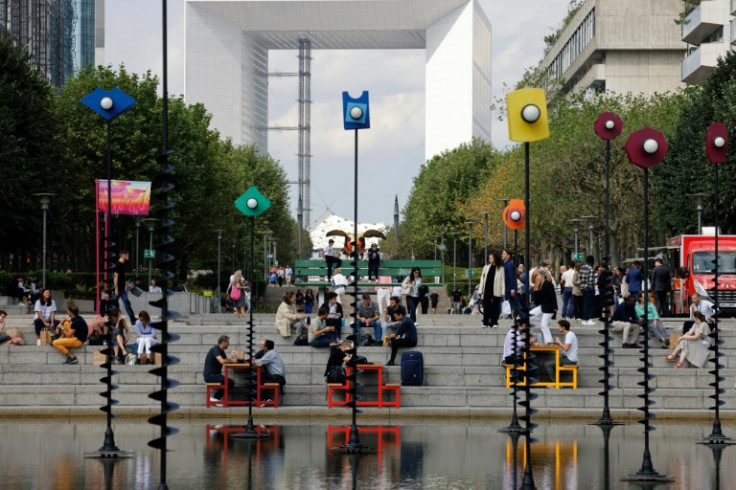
166	264
717	150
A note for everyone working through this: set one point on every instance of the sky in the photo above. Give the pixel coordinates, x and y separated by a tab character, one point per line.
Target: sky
391	152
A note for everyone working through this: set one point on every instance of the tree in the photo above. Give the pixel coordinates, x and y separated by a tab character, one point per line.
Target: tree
28	152
686	169
440	191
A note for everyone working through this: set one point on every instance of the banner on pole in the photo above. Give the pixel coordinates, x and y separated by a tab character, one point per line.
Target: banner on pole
128	197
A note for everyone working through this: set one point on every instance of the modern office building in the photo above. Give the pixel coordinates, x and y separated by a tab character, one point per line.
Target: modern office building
710	32
619	46
228	42
62	36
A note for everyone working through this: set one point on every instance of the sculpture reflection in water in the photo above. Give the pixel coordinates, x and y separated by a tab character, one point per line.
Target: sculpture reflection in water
223	450
556	463
387	441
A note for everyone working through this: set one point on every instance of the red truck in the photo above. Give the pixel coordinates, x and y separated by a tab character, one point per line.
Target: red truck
693	255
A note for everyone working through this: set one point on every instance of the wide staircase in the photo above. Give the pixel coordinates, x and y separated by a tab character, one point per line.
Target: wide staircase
462	376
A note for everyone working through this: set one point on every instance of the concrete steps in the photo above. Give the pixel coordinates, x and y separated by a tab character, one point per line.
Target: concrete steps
462	371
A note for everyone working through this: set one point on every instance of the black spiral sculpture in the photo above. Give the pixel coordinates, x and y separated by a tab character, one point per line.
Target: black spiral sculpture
606	279
514	426
165	262
716	436
647	471
354	446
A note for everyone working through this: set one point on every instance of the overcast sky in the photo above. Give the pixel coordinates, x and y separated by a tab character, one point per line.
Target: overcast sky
392	151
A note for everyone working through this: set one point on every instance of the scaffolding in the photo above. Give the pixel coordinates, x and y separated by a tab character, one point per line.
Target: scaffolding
305	128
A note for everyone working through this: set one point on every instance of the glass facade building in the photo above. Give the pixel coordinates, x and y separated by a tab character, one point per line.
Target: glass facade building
60	34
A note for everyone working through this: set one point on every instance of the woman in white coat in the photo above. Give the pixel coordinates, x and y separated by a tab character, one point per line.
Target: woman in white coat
491	288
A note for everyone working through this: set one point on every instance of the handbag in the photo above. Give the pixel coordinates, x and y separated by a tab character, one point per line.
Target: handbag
95	339
45	337
235	293
336	374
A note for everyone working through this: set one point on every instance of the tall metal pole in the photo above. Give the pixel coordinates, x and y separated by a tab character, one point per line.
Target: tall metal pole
137	245
505	201
45	199
232	253
299	226
528	481
219	252
454	259
485	229
590	238
470	257
150	248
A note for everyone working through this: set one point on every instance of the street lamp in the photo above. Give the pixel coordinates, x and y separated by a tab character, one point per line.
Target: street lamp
575	222
485	228
45	198
219	256
137	245
470	257
454	258
505	201
590	220
233	256
151	222
699	207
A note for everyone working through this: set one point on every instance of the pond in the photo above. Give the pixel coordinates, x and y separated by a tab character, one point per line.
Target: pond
437	455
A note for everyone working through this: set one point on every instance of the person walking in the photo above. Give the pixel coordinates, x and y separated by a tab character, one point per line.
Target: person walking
492	288
587	286
568	302
411	284
661	285
121	285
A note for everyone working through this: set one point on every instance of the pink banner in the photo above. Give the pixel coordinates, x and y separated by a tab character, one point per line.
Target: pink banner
128	197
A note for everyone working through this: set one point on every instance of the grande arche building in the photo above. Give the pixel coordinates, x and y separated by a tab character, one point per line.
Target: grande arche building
228	43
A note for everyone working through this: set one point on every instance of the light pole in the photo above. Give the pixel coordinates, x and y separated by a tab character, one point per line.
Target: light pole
589	220
505	201
137	245
470	257
699	196
233	255
454	258
45	198
151	222
266	234
485	228
575	222
219	256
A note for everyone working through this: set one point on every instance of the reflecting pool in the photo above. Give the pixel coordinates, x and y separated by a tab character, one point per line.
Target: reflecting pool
436	455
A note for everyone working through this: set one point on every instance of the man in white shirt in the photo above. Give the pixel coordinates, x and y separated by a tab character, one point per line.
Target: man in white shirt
153	288
568	349
703	306
568	302
329	256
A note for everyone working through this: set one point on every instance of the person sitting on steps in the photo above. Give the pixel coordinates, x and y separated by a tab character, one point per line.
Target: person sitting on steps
72	337
406	335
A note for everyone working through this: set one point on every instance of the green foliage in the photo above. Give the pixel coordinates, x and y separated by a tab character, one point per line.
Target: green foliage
28	151
686	169
442	187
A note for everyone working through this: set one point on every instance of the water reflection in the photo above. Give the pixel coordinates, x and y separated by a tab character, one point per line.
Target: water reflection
298	456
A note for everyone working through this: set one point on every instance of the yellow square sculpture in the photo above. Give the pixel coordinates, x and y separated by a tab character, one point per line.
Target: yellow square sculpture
527	113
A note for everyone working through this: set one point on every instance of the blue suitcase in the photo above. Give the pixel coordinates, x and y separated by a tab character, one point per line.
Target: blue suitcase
412	368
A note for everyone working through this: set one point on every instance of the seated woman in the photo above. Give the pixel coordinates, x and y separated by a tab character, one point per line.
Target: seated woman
335	373
287	317
120	334
320	334
655	324
45	314
692	346
146	336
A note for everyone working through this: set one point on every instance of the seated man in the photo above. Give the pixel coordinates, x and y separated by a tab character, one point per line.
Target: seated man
513	345
406	335
274	366
213	363
320	334
368	316
153	288
625	320
73	337
569	352
703	306
334	309
392	321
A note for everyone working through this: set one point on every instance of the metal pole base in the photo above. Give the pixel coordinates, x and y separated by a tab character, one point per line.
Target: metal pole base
606	421
250	432
513	427
109	454
716	440
353	449
648	476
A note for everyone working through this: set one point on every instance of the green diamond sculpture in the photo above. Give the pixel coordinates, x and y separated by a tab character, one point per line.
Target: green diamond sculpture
252	203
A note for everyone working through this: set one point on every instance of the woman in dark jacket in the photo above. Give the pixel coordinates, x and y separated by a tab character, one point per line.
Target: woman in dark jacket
547	298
